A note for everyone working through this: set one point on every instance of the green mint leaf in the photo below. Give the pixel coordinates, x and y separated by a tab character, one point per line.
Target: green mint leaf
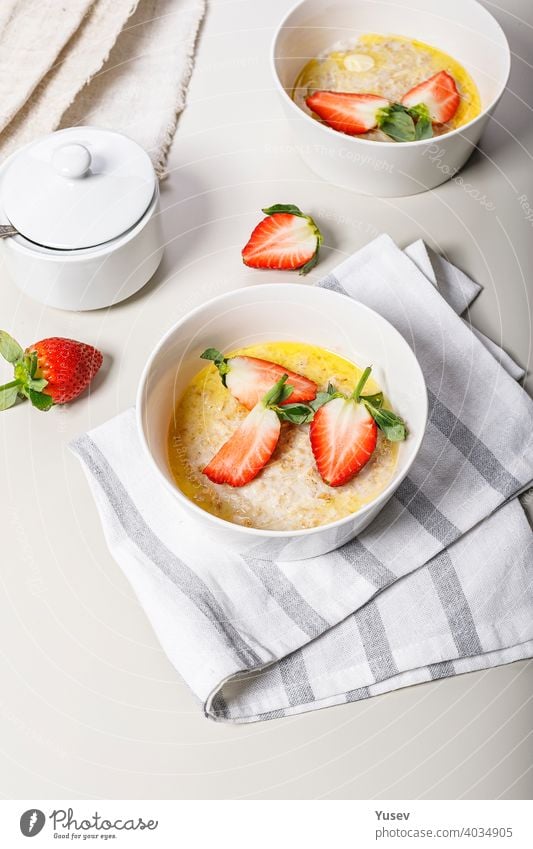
40	400
10	349
397	107
219	360
420	111
397	124
290	208
392	425
323	397
394	433
376	400
295	413
213	355
423	129
8	395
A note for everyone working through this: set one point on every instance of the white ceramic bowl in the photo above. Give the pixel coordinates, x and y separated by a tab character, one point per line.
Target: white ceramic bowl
461	28
275	312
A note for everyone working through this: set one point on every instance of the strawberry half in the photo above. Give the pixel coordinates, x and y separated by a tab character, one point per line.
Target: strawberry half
347	112
343	437
249	378
52	371
286	239
438	94
250	448
344	430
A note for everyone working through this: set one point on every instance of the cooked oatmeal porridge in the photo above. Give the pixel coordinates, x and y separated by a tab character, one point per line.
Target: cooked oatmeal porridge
288	493
388	66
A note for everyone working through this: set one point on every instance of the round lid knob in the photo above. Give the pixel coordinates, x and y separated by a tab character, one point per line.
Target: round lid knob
77	188
71	160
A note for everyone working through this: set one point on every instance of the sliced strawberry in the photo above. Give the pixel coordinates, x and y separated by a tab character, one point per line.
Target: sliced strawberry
286	239
343	437
438	94
250	448
347	112
343	434
249	378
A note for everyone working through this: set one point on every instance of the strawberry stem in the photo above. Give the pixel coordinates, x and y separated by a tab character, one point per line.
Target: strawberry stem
11	385
277	392
361	382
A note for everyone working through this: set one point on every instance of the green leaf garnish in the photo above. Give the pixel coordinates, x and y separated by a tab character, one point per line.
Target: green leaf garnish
403	124
397	124
219	360
25	384
290	208
420	112
392	425
323	397
10	349
376	400
9	394
295	413
40	400
213	355
423	129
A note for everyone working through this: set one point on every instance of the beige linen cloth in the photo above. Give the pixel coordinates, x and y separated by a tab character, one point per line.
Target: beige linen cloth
120	64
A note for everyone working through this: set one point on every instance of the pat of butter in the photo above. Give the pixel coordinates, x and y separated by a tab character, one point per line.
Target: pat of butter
358	62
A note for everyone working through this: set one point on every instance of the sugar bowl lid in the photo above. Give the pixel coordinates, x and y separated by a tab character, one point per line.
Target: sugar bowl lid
77	188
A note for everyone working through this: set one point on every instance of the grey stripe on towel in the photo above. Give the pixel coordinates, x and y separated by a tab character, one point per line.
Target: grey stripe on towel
475	451
429	516
455	605
366	564
330	282
287	596
295	679
144	538
375	641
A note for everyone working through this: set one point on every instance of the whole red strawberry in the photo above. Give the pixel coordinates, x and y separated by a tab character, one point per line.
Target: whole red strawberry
52	371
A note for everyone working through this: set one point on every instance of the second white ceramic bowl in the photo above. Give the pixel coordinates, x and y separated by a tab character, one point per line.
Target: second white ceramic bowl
275	312
461	28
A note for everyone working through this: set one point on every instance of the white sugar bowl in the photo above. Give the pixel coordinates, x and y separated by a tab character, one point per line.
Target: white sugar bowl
79	218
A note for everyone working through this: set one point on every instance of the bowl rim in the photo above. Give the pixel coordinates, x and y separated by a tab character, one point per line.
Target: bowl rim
380	499
409	144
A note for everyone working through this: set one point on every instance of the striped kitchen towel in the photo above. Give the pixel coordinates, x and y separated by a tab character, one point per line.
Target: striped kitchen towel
257	639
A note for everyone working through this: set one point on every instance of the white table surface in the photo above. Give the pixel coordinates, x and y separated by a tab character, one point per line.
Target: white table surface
89	705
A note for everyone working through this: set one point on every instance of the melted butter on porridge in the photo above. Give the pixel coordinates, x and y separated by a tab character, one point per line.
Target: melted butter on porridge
289	493
389	66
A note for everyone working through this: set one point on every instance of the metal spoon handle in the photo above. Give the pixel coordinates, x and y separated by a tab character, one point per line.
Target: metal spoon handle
7	230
